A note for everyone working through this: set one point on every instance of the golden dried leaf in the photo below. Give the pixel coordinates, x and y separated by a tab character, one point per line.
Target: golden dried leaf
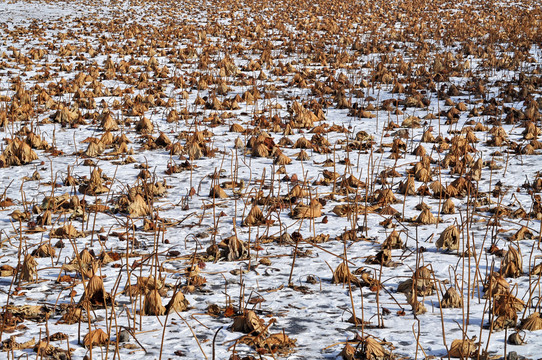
313	210
249	323
44	250
462	348
233	248
426	217
512	263
254	218
451	299
449	238
95	338
218	192
29	271
153	304
11	344
342	275
393	241
532	323
177	303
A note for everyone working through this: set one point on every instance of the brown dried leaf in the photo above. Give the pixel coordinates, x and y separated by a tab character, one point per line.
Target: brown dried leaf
342	275
254	218
177	303
462	348
449	238
95	338
532	323
29	270
451	299
512	263
153	304
12	344
249	323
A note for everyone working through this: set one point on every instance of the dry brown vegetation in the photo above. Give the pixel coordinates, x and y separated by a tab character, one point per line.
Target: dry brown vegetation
253	170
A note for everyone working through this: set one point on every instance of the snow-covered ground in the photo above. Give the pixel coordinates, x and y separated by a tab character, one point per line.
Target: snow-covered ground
299	62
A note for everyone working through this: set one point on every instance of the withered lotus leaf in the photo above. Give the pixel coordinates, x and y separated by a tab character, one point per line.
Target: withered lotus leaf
29	270
449	238
451	299
512	263
249	323
11	344
95	338
178	303
313	210
218	193
153	304
342	275
462	348
233	249
532	323
393	241
255	217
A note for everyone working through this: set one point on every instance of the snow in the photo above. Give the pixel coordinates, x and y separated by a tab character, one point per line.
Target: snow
314	314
